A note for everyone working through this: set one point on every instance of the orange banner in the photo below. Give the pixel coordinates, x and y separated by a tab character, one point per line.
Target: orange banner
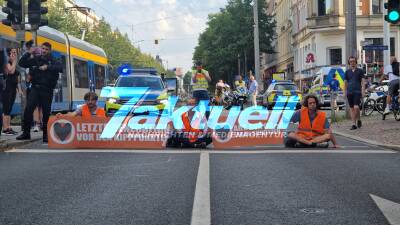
76	133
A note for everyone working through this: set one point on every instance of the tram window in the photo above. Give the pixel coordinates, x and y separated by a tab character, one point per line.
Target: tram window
64	80
100	76
81	74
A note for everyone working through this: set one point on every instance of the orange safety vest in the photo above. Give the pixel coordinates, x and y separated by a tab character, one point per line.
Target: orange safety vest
87	114
308	130
192	132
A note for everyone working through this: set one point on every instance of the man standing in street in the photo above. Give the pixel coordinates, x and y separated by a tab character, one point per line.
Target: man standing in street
354	90
44	70
253	90
200	80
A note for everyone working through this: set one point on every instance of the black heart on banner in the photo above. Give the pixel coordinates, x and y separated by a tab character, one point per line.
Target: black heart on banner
62	130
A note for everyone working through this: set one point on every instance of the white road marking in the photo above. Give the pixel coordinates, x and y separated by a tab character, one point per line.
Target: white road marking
391	210
299	151
201	212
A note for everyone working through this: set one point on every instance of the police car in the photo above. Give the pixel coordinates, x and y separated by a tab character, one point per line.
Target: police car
157	95
280	88
320	86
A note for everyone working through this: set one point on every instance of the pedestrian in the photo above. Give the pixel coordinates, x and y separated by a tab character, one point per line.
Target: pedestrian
253	90
2	63
200	80
392	73
44	70
314	129
89	109
12	81
334	89
354	91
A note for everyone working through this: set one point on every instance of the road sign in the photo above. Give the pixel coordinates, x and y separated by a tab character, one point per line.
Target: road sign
375	47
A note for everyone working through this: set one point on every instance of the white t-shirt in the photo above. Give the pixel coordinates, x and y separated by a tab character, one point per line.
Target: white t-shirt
389	71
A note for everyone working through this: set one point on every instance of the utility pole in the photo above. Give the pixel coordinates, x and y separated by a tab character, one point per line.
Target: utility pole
386	37
256	45
351	36
239	64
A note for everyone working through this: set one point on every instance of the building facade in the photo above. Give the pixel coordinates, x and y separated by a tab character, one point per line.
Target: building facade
318	35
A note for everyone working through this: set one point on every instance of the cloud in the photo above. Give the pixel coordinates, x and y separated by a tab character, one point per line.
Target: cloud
181	20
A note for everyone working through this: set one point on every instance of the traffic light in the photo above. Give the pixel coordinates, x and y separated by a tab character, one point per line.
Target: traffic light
35	12
393	14
13	9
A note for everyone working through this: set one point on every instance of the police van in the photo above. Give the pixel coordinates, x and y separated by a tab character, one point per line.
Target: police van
320	85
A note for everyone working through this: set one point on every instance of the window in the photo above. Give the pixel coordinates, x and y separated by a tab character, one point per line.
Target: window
335	56
325	7
321	8
64	79
377	6
392	47
283	87
154	83
81	74
100	74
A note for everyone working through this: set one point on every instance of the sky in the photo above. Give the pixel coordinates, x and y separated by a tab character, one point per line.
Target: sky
177	24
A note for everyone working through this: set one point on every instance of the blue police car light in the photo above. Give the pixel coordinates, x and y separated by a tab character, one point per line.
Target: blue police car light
273	81
124	69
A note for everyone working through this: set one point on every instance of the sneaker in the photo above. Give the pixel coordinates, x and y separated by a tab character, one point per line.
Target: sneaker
354	127
36	128
359	124
387	111
24	136
323	145
9	132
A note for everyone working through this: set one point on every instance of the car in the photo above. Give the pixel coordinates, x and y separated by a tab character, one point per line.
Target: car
320	88
157	96
280	88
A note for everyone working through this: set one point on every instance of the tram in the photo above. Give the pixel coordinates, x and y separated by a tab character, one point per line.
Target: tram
85	66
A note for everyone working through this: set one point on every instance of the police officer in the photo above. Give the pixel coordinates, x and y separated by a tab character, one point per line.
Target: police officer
44	70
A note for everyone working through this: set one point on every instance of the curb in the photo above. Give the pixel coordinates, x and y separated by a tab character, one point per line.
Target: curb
392	147
6	145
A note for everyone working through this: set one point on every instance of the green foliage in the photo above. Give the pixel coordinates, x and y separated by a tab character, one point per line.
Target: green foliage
117	45
229	34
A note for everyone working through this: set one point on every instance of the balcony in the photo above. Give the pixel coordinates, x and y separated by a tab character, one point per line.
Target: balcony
327	21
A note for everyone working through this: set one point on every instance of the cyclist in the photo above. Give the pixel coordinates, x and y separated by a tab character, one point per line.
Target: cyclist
392	73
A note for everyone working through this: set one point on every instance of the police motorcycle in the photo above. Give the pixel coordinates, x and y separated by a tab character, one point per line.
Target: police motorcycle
228	97
240	97
374	99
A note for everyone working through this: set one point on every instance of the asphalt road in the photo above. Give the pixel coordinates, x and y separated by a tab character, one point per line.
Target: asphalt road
263	186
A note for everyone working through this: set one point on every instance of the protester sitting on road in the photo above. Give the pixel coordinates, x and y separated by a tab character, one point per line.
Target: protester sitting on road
314	128
89	109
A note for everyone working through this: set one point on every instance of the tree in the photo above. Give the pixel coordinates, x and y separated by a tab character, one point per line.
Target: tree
229	33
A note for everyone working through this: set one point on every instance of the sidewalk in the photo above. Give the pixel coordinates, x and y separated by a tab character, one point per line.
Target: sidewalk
8	142
375	131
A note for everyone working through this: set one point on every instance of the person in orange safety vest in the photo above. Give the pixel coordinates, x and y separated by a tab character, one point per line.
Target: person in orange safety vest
187	120
314	128
88	109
